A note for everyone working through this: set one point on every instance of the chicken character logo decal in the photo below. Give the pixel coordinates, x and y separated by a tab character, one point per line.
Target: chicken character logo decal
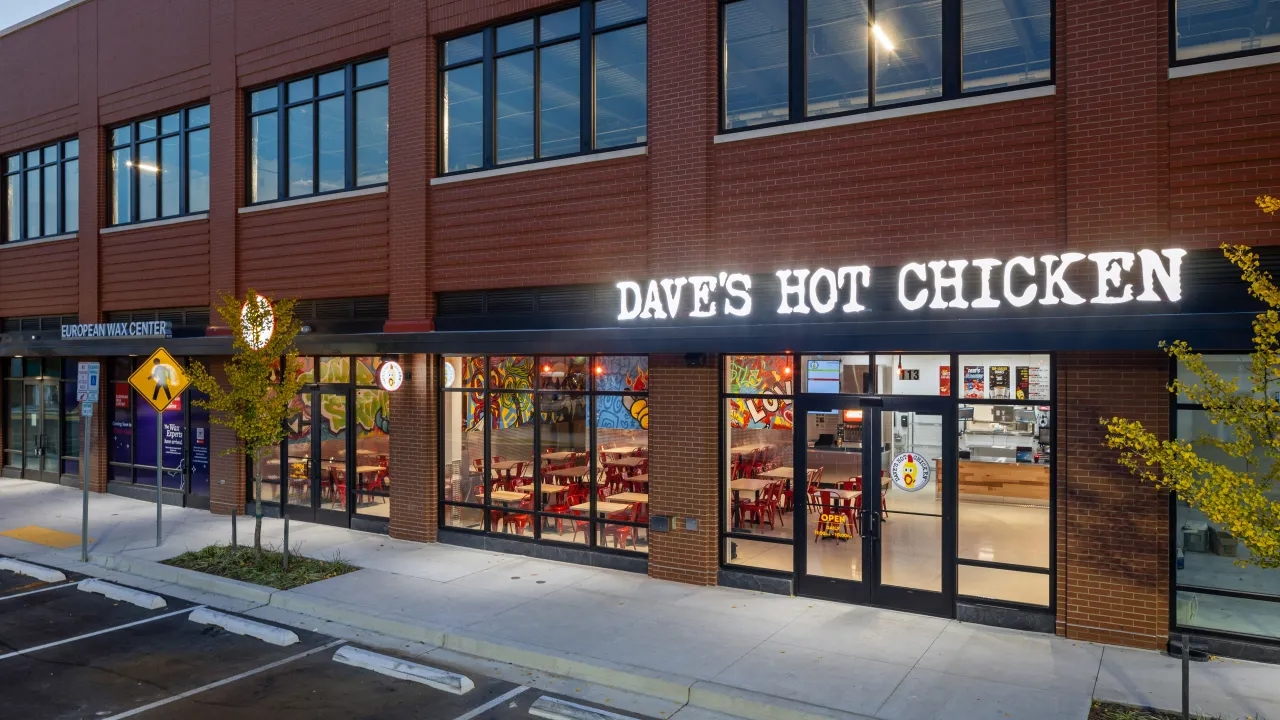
910	471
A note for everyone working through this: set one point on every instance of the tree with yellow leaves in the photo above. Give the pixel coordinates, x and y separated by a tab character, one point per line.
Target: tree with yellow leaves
255	403
1232	493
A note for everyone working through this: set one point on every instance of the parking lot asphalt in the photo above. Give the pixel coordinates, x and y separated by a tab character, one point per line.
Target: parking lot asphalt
70	654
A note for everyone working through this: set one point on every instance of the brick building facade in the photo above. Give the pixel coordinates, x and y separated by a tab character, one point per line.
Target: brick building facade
1122	140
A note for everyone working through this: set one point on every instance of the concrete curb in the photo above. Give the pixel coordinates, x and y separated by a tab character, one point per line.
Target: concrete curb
700	694
553	709
405	670
38	572
240	626
123	594
187	578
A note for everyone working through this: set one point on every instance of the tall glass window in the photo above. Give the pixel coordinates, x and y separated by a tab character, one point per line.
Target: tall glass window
549	448
41	192
515	92
160	167
1214	30
1213	593
792	60
184	443
319	134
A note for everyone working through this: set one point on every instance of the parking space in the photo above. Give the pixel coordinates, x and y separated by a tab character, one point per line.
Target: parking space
68	654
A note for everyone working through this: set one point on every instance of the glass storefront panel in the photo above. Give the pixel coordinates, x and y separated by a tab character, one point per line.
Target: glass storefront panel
1005	377
373	452
333	451
1007	585
298	460
903	374
848	374
756	554
14	426
464	418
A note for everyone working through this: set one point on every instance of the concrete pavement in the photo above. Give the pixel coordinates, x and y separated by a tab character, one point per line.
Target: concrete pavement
719	649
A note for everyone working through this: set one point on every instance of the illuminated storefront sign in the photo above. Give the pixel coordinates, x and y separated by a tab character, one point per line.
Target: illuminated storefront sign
1115	277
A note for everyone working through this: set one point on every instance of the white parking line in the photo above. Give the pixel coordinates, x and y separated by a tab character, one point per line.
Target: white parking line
93	634
225	681
43	589
489	705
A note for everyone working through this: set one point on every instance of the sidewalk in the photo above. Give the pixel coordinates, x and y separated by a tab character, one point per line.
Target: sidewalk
733	651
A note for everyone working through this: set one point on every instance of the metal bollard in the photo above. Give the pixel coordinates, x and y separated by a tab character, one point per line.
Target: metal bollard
234	545
1186	677
286	543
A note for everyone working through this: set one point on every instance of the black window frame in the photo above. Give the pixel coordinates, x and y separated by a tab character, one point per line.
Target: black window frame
142	473
282	107
183	133
950	548
797	68
1177	406
538	513
586	36
1173	46
7	175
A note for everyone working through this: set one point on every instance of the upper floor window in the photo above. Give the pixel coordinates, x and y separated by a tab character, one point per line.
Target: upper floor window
42	191
160	167
793	60
562	83
1225	28
321	133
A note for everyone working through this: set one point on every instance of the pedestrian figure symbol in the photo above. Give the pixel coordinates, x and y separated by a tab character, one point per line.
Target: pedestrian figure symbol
159	380
162	374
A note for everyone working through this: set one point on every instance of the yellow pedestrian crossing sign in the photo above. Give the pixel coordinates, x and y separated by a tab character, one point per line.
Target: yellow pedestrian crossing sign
160	380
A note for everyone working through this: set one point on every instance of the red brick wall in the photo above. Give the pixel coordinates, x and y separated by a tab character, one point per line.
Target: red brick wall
1113	531
166	266
684	434
413	462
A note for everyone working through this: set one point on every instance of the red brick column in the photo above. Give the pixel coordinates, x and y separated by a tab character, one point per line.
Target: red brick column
683	437
1113	531
226	471
413	463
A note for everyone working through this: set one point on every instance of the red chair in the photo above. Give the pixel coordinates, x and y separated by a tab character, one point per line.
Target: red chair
522	521
757	507
620	533
833	505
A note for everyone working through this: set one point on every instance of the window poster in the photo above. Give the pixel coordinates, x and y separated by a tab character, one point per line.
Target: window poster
975	381
999	382
944	380
1032	383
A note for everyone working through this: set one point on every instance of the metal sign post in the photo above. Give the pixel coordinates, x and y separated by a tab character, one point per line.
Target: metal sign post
87	394
159	380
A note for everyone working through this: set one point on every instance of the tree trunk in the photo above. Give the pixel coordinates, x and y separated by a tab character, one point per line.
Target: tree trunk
257	511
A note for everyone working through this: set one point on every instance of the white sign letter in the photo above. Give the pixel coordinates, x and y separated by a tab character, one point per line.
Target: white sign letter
1109	266
1054	278
955	282
653	303
857	274
833	296
1028	266
673	298
921	297
629	294
797	289
702	287
1170	281
986	301
738	286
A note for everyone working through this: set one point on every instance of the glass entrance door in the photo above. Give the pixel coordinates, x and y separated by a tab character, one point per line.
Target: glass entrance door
318	488
880	510
41	430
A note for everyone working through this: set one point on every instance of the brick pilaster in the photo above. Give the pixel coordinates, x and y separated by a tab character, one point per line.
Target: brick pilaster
683	435
1113	531
226	471
413	462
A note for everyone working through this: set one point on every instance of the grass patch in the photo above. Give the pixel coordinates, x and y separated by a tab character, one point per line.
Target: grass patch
238	564
1116	711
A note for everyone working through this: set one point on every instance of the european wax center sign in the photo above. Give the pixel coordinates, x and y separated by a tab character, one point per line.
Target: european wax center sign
1112	278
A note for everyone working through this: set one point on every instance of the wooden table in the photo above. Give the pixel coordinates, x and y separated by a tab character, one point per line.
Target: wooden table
630	497
754	485
623	450
570	472
506	496
744	449
627	462
361	469
786	472
547	489
601	507
366	452
642	478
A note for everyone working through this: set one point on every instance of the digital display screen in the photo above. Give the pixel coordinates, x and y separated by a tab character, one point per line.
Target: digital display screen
823	376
